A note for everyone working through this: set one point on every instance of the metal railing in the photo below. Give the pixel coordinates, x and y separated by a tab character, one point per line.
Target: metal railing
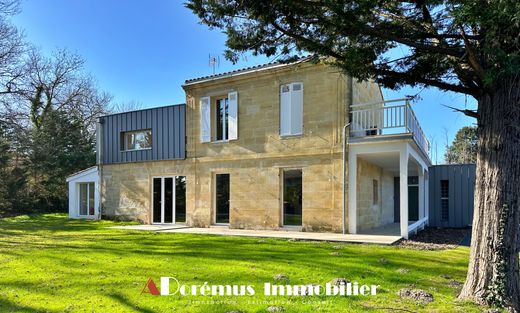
381	118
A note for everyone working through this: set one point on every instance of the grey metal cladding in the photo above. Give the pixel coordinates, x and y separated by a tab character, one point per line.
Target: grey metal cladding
461	180
168	125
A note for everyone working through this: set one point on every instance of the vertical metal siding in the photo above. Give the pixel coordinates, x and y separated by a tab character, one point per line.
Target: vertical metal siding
461	179
168	134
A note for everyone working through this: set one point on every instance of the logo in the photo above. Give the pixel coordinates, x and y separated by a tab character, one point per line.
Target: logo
150	288
170	286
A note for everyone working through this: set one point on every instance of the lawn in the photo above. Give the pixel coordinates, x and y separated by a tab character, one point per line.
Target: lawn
49	263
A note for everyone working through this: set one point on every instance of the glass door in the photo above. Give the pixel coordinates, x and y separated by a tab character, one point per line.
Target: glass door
292	197
222	198
169	200
86	199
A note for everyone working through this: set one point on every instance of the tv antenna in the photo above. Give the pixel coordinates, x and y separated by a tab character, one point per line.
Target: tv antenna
214	62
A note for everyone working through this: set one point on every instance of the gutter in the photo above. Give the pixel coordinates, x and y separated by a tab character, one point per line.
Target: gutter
349	102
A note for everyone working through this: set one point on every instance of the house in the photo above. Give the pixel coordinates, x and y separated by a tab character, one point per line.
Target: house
278	146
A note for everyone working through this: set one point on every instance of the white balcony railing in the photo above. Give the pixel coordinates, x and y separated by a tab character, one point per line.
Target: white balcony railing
388	117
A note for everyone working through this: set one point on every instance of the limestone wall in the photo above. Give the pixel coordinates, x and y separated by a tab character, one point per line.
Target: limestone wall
256	160
370	214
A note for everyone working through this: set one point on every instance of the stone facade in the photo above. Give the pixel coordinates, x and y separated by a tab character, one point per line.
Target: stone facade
373	212
257	158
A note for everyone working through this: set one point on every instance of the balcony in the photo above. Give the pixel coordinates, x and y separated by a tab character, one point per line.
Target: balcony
387	118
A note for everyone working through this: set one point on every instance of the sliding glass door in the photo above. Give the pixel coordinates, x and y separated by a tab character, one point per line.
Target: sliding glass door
169	200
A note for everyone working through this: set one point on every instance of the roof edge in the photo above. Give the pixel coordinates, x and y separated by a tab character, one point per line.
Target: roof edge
143	109
243	71
81	173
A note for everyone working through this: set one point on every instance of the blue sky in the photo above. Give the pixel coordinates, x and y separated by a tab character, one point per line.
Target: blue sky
143	51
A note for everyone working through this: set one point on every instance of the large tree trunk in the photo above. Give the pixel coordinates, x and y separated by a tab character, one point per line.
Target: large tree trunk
493	276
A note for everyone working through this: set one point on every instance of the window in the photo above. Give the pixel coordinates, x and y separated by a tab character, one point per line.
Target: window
445	200
375	192
291	109
86	199
221	119
136	140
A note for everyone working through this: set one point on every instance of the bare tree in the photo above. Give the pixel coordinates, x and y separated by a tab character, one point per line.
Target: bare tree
60	83
12	49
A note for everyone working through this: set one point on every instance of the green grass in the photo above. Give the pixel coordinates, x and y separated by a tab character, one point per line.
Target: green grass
51	264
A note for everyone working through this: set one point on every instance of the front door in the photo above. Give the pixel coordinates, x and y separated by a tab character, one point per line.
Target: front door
169	200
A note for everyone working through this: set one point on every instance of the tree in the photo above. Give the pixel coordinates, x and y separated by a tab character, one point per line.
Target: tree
469	47
12	48
59	83
463	149
4	161
60	146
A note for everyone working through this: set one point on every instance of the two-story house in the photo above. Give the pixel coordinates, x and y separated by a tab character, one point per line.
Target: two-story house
298	146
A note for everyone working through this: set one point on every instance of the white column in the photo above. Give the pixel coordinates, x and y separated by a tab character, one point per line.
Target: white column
403	191
352	192
422	212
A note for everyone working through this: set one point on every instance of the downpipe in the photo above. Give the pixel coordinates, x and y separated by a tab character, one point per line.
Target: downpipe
344	168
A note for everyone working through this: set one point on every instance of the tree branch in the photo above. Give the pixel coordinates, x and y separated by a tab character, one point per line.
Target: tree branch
412	80
467	112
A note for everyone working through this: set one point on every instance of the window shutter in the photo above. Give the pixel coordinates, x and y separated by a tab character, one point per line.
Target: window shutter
233	116
296	108
285	110
205	117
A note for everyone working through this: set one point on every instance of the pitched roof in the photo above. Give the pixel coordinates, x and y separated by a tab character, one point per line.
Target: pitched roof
245	70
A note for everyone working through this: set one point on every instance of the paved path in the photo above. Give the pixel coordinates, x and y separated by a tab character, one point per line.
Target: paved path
286	234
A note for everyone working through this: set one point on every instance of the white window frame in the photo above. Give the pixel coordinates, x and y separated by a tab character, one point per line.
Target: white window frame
134	132
88	199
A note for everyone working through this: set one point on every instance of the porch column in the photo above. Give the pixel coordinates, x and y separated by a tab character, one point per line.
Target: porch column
403	190
352	192
422	212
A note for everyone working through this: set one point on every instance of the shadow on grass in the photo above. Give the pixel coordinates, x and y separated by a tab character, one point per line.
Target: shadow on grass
128	304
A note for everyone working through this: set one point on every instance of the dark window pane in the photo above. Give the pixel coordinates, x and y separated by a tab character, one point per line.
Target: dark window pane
156	200
292	197
222	198
445	200
91	192
83	199
413	180
226	114
221	113
168	200
375	192
180	199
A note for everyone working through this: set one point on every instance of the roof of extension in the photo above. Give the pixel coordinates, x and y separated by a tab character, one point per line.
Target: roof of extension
82	173
143	109
245	70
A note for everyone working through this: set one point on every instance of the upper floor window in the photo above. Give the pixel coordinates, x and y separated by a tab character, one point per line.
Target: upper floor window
219	121
221	118
137	140
291	109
